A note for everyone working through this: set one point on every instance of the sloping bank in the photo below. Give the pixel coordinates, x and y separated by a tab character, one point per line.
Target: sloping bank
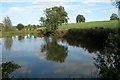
78	33
94	38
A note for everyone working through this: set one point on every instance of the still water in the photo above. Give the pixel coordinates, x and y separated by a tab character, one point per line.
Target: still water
43	57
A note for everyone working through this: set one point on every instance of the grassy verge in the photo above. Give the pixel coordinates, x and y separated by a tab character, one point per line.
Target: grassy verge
15	33
104	24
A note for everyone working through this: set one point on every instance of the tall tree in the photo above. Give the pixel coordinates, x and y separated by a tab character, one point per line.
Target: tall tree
80	18
7	24
55	16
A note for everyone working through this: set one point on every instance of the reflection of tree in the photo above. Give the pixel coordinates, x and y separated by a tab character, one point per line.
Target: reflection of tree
54	51
8	41
109	62
20	38
8	68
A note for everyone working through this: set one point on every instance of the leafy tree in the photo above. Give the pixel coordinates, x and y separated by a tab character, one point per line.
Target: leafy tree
80	18
54	17
42	20
7	24
114	17
20	26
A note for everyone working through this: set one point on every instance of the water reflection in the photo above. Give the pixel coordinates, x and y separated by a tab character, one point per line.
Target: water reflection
20	38
8	41
109	62
54	51
89	45
106	57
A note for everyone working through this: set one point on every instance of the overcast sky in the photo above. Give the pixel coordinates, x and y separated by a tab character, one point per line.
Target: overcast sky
29	11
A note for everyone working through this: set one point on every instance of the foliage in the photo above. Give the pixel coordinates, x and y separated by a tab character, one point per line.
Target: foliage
109	61
116	3
104	24
54	17
20	26
7	24
31	27
80	18
8	68
114	17
42	20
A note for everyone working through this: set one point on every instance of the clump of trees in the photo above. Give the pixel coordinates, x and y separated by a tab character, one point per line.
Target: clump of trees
114	17
80	18
54	17
31	27
20	26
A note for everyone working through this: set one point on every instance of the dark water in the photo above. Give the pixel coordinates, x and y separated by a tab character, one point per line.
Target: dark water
42	57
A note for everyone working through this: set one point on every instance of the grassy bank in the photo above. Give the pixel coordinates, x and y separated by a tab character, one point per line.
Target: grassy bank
104	24
15	33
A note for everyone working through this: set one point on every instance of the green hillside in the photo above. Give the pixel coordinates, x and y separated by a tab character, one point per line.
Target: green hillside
105	24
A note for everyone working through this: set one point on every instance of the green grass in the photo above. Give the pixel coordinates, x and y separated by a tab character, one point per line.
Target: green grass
104	24
14	33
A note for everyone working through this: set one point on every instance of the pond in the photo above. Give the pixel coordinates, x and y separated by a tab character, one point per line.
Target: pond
49	57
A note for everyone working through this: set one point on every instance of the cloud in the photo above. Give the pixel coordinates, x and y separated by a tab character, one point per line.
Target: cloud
14	9
85	68
110	11
13	1
54	1
85	11
93	2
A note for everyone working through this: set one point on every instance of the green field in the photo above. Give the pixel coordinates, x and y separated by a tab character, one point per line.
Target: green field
104	24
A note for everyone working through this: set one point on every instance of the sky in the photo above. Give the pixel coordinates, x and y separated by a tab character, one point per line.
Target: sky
30	11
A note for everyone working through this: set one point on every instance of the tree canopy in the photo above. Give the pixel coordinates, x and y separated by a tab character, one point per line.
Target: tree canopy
80	18
20	26
114	17
116	3
54	17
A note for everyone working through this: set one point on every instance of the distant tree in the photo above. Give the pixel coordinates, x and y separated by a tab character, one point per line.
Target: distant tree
1	26
7	24
114	17
80	18
55	16
20	26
